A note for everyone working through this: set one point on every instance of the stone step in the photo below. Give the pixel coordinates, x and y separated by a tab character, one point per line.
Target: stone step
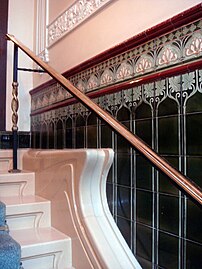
27	212
18	184
44	248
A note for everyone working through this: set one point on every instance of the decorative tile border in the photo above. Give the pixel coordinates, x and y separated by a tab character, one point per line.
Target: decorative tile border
172	49
80	11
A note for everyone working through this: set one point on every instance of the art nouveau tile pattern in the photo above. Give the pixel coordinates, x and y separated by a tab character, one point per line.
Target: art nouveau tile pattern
159	223
177	47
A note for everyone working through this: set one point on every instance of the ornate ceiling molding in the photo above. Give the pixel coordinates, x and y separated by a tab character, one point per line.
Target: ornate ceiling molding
76	14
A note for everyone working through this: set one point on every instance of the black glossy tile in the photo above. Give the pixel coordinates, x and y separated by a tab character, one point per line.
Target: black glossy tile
194	255
143	170
144	263
69	136
144	207
194	165
144	242
168	251
194	221
169	214
125	228
124	202
123	169
44	136
168	135
194	134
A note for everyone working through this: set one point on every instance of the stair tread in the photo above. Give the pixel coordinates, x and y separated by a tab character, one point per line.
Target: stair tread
35	236
22	200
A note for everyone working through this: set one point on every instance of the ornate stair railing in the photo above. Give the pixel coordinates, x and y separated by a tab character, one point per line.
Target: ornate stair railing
184	183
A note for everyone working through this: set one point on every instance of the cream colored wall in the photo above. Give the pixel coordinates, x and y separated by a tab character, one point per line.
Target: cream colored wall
117	22
20	24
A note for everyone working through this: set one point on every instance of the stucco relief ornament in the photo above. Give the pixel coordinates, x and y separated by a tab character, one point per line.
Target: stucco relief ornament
72	17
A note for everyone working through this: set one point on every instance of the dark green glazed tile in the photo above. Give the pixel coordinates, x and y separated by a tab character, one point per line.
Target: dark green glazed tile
80	137
51	136
123	114
168	135
165	184
143	129
194	256
92	119
143	111
169	214
194	222
144	207
144	242
124	202
69	138
123	169
194	134
143	170
60	135
92	136
194	104
168	251
125	228
194	165
106	137
44	135
167	107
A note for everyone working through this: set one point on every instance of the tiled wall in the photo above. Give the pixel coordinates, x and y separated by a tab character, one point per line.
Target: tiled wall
160	224
6	140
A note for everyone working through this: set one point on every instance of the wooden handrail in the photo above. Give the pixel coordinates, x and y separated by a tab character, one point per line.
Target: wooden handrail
189	187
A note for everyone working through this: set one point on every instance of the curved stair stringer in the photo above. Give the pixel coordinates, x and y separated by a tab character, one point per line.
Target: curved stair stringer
93	222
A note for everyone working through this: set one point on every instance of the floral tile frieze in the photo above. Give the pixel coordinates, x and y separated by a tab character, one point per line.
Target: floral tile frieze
181	45
72	17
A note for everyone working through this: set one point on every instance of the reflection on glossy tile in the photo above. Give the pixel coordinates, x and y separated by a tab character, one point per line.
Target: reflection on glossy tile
169	213
123	168
124	202
194	222
168	251
125	228
144	207
144	242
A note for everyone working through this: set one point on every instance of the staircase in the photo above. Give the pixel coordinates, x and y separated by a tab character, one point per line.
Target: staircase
29	219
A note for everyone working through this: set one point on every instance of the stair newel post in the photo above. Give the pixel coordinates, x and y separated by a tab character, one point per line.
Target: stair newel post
14	107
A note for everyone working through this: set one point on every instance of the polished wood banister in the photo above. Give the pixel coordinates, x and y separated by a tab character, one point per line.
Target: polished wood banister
183	182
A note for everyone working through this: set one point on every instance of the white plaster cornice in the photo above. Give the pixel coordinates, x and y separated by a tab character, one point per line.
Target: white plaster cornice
76	14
